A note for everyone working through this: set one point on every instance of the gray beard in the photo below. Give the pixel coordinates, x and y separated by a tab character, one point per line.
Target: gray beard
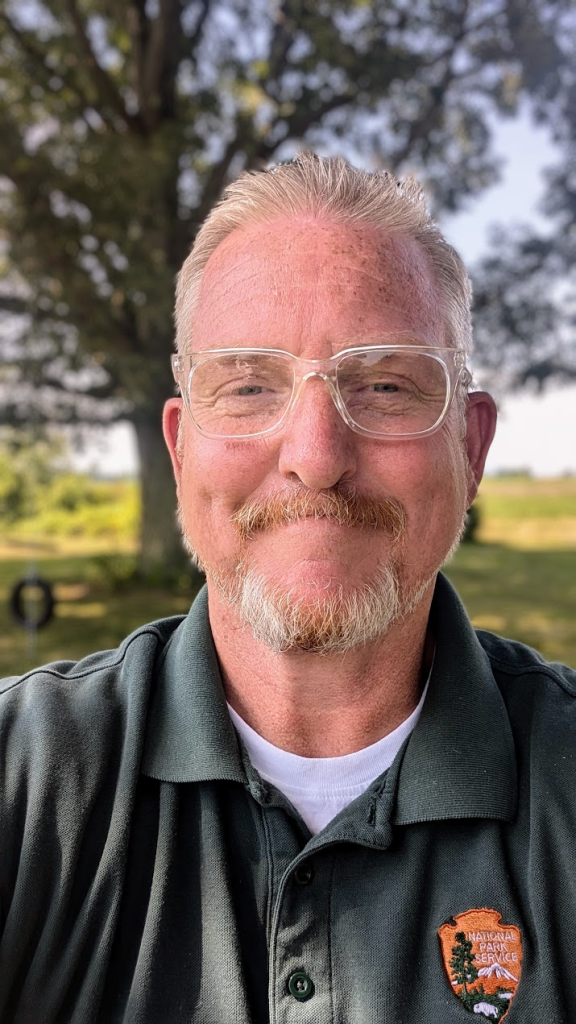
334	624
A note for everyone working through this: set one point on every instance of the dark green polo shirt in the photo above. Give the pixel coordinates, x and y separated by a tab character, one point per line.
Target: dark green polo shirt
148	875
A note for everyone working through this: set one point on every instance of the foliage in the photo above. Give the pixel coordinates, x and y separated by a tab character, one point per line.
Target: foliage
525	306
478	995
525	289
39	497
28	464
473	520
12	491
120	123
90	614
462	963
465	973
75	506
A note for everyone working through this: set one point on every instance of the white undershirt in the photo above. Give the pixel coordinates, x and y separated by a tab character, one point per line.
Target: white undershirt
320	787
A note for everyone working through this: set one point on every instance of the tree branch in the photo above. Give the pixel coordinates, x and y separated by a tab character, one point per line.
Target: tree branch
98	392
16	306
159	45
430	116
280	43
161	62
217	177
36	57
14	414
194	39
104	85
302	119
139	28
259	150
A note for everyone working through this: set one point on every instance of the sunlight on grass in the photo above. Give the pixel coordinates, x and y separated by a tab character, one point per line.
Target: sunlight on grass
493	623
528	514
90	610
70	592
530	533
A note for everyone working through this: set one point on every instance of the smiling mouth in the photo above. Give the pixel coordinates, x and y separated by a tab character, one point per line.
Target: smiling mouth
323	519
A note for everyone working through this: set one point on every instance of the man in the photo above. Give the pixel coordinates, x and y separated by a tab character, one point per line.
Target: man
321	797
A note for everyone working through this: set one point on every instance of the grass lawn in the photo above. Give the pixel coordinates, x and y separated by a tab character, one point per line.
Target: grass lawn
529	595
91	614
519	580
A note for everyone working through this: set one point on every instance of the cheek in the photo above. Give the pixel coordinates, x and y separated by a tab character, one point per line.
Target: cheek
217	476
450	496
432	481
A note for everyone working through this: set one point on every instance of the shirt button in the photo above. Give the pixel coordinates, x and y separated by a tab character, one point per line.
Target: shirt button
300	986
304	873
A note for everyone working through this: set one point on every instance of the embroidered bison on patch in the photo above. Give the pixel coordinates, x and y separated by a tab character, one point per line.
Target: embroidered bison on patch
487	1009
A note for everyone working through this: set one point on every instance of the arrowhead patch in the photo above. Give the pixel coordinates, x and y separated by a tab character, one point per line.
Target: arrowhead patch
483	961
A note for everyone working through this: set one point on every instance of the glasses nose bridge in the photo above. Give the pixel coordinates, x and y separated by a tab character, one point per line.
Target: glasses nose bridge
329	379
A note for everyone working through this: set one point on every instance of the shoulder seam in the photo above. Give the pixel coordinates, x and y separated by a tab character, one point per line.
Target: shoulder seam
48	671
520	670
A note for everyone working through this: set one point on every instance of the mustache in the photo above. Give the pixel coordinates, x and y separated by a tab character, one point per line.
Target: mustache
344	507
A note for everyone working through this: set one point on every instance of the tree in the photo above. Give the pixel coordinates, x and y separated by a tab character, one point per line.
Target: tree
525	311
121	122
29	464
526	287
464	971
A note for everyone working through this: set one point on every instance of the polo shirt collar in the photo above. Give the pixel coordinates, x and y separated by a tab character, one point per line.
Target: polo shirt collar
189	733
459	762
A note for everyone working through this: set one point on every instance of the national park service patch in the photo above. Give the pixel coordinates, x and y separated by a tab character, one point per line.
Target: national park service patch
483	961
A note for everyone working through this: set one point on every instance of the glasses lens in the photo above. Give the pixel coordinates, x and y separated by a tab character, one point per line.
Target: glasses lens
237	394
393	392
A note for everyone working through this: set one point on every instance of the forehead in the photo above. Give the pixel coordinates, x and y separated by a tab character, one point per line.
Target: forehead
306	276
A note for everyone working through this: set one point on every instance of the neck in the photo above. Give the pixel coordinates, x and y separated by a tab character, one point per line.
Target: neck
323	705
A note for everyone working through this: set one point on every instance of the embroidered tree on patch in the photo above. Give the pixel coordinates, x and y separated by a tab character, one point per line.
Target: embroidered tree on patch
462	963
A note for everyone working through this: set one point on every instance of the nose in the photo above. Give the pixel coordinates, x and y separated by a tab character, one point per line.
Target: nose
318	449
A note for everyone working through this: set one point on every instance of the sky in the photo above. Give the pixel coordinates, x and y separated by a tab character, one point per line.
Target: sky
536	433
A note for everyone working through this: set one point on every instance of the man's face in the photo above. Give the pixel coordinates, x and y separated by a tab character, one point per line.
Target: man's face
313	287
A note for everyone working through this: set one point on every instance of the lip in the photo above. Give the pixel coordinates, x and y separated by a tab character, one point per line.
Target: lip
320	521
312	528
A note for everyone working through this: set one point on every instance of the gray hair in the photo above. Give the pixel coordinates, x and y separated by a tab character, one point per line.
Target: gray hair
329	187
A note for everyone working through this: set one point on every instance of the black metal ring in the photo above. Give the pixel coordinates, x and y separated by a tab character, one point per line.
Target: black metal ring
45	606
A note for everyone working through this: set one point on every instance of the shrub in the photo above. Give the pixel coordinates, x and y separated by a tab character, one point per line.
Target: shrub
473	521
13	492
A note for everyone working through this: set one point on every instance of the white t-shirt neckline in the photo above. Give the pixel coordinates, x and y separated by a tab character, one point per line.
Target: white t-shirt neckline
320	787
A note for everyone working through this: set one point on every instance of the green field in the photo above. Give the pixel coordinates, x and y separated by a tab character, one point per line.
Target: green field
518	580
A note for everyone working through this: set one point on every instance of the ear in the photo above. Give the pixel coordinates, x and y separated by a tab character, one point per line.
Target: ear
481	415
171	426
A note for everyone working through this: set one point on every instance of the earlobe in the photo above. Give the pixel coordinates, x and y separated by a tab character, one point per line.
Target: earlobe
171	428
481	416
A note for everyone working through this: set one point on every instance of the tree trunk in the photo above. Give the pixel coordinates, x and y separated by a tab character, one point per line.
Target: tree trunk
161	551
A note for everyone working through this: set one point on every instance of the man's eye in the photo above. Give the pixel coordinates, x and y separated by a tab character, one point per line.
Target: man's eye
249	389
385	387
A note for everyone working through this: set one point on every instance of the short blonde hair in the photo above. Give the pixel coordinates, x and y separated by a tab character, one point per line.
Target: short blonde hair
332	188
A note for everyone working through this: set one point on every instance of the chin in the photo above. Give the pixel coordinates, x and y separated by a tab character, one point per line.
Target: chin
321	620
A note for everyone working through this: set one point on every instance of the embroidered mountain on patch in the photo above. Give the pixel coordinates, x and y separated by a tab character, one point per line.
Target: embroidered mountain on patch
483	961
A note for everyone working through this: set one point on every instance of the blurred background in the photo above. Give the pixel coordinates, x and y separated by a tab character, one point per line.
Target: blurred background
119	126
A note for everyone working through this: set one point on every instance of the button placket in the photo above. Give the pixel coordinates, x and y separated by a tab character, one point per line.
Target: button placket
300	954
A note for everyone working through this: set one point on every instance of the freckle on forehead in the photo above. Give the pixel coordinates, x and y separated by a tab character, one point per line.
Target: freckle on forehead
295	261
348	245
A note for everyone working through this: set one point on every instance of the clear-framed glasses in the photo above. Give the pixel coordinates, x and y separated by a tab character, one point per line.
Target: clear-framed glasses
396	391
